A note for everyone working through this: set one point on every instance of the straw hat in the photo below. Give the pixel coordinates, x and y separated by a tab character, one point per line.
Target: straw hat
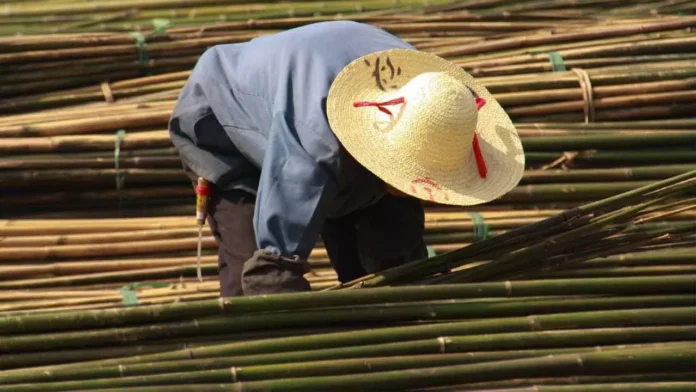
426	127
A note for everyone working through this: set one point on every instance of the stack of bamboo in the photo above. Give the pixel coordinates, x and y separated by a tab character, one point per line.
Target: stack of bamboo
505	312
604	89
66	16
583	278
530	308
136	173
650	61
620	334
82	263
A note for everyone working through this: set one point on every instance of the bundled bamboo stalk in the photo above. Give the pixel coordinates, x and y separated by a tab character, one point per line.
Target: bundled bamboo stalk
584	271
178	49
581	231
121	251
66	17
446	339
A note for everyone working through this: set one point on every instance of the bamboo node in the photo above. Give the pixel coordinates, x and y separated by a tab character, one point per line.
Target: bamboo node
121	370
233	371
534	323
120	178
565	161
106	90
587	94
443	344
508	288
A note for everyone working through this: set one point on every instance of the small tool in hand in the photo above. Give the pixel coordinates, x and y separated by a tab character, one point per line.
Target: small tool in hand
202	192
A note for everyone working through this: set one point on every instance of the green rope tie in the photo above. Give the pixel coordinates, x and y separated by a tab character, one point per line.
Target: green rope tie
160	24
130	296
556	59
120	178
480	226
143	55
557	64
431	251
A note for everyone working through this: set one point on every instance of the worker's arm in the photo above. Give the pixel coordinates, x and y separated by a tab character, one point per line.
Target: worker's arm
299	174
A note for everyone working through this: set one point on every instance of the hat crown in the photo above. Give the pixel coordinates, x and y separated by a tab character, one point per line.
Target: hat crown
426	127
437	119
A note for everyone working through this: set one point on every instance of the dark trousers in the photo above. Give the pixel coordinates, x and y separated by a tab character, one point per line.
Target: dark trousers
384	235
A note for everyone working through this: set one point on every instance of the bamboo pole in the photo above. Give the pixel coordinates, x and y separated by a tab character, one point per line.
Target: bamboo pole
570	364
119	317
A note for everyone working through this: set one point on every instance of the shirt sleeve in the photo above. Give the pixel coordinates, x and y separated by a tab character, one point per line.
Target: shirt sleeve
298	176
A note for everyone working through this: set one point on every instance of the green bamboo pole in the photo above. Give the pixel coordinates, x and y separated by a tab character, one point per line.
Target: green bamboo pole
669	256
613	387
610	174
616	157
607	141
235	373
27	360
296	301
540	230
372	314
572	381
467	349
619	271
519	260
600	319
652	124
571	364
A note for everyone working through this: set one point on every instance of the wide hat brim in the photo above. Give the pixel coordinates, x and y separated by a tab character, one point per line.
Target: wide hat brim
376	76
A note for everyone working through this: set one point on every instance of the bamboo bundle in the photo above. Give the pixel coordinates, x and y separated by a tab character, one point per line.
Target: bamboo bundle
597	229
71	16
460	330
495	43
73	144
69	255
93	256
580	279
90	164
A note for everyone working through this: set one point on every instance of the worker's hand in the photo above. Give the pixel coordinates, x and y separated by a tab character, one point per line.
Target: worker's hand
265	273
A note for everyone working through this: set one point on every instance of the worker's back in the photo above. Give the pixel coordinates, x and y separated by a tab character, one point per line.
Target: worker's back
289	72
243	86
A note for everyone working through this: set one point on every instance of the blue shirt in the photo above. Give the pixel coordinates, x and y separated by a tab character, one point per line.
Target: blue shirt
253	116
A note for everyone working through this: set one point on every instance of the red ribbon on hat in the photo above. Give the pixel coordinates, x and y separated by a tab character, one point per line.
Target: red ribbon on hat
480	162
380	105
480	102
